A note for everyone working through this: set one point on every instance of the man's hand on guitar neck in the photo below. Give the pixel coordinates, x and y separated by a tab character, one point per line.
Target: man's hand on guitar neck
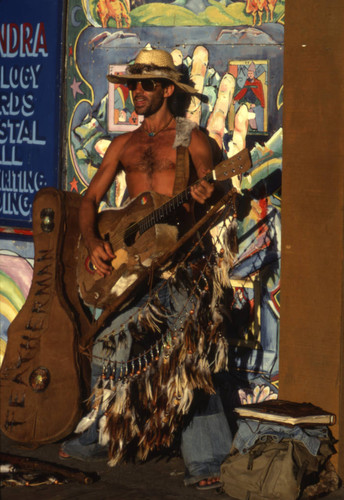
201	191
101	254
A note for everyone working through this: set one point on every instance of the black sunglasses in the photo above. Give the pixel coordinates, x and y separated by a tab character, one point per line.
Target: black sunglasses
147	84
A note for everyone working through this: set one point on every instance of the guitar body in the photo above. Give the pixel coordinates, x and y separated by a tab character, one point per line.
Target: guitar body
134	252
40	375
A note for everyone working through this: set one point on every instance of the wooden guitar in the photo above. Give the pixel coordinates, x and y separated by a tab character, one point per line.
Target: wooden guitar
139	234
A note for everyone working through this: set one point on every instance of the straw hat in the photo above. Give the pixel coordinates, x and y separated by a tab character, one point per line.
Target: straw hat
153	63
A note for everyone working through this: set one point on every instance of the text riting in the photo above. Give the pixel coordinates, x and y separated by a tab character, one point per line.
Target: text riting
21	181
17	189
23	40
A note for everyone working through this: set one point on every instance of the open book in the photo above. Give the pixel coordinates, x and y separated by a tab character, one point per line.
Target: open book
287	412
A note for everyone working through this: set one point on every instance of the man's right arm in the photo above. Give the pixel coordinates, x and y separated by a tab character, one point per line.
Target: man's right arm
100	251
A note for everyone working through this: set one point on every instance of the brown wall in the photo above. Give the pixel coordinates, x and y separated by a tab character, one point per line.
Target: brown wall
311	343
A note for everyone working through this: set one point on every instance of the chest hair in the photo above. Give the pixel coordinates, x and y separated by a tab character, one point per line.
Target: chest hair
151	161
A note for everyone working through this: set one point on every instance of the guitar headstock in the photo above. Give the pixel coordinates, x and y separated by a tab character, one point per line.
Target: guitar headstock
237	164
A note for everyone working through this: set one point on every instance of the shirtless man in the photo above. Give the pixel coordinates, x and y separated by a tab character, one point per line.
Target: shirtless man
147	156
149	161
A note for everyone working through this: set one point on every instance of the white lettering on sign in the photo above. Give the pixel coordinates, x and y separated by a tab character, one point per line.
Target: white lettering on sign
16	186
20	133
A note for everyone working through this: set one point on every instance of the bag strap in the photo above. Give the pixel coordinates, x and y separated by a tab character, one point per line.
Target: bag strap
182	170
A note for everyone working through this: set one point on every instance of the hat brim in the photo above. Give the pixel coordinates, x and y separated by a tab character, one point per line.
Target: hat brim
124	77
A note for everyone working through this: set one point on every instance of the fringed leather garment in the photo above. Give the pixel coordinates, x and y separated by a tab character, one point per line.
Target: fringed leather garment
144	407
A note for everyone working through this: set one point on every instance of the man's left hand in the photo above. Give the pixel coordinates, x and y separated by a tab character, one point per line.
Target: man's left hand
202	191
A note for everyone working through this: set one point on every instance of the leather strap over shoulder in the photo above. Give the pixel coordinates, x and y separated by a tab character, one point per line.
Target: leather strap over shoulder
182	170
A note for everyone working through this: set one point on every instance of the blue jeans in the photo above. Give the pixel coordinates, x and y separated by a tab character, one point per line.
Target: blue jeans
206	442
250	431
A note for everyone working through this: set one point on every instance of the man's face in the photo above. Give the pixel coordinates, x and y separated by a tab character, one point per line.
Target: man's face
250	75
147	102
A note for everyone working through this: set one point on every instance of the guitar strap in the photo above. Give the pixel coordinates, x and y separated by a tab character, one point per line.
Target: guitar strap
182	170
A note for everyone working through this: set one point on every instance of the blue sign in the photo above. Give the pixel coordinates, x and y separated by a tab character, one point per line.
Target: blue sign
30	82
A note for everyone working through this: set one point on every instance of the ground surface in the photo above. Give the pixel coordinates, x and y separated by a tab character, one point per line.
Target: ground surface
157	479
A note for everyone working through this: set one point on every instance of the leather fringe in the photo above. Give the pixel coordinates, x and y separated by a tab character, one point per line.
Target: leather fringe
147	407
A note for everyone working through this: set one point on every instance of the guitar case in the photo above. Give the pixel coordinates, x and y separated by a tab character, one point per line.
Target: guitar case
44	377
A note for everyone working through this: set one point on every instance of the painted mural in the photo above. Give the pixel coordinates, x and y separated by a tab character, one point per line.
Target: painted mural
132	13
16	270
232	51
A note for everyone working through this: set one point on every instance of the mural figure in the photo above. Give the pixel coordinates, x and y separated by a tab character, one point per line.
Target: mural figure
114	9
255	7
252	94
136	3
122	116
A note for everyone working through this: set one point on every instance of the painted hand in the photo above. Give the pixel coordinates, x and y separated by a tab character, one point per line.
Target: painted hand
218	119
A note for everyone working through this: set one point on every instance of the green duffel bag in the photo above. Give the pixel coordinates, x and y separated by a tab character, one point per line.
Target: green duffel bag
271	470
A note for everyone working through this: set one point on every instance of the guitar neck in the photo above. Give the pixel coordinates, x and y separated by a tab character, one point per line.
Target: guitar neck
235	165
161	213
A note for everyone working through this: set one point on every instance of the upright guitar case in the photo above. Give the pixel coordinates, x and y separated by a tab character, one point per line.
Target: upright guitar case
44	377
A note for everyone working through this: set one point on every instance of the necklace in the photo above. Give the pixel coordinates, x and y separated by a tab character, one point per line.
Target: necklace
152	134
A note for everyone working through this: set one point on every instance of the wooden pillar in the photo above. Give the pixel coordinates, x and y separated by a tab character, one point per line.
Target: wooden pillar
311	340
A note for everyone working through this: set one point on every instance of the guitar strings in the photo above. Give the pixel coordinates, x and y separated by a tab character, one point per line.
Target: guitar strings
132	229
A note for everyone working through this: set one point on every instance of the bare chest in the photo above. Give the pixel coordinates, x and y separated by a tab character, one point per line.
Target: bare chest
150	156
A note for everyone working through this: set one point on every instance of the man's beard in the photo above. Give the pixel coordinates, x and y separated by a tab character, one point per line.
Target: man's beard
153	106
